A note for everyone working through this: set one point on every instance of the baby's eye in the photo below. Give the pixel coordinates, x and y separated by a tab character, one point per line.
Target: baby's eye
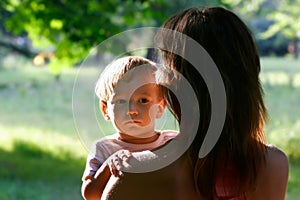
143	100
120	101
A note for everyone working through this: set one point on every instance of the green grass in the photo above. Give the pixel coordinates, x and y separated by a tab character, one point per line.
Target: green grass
30	172
42	152
281	83
41	155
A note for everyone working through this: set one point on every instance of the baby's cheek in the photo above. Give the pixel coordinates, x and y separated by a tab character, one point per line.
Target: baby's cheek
118	109
153	111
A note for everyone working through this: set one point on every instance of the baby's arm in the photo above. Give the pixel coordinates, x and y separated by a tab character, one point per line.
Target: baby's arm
93	187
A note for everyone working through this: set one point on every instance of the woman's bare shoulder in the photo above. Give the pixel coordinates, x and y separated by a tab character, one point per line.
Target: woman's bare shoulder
272	178
276	159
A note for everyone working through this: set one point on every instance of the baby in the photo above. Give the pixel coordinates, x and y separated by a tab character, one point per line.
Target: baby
131	99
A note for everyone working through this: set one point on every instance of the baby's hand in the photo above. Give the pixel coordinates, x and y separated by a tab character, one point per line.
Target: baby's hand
117	160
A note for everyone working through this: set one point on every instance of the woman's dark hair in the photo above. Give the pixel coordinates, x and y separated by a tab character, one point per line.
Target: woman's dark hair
240	150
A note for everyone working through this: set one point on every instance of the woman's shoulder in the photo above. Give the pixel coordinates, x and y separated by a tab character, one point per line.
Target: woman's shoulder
272	178
276	159
277	165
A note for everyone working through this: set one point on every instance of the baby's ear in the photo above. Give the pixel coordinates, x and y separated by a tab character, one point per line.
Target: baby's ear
103	108
161	106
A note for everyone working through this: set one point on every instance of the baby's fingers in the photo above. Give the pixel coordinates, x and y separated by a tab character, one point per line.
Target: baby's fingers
124	155
117	165
114	165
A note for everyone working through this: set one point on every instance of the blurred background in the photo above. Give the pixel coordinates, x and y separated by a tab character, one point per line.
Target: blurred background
42	45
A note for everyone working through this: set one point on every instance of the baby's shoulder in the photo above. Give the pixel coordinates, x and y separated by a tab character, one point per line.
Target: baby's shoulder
169	133
106	140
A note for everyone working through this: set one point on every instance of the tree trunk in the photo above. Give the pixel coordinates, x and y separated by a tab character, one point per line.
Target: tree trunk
22	50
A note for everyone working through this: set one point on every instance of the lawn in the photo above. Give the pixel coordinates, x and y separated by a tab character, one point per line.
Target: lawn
281	83
42	150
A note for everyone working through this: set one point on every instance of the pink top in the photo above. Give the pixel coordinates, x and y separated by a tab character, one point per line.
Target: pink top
227	185
108	145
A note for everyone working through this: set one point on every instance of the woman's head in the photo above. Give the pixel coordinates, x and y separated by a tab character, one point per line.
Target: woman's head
229	43
231	46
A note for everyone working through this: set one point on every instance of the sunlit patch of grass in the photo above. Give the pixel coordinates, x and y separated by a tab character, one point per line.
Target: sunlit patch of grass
296	80
278	71
276	63
277	78
48	140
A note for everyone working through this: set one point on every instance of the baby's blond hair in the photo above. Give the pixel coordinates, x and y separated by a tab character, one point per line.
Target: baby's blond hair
116	70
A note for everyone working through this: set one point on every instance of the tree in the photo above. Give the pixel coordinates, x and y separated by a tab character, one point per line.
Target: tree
286	18
72	28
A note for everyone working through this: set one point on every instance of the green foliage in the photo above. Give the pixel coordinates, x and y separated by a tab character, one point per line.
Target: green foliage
294	182
75	27
247	8
286	17
72	28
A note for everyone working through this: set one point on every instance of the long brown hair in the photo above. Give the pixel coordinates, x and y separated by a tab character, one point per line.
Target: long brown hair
242	142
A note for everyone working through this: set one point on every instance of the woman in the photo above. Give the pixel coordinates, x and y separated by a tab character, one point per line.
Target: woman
240	165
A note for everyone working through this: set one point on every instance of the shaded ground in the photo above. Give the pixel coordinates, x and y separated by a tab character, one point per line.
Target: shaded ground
28	172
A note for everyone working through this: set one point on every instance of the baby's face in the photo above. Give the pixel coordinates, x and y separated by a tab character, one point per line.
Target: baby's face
134	106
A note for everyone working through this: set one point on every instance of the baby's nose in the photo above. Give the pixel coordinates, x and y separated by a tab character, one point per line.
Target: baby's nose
132	109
